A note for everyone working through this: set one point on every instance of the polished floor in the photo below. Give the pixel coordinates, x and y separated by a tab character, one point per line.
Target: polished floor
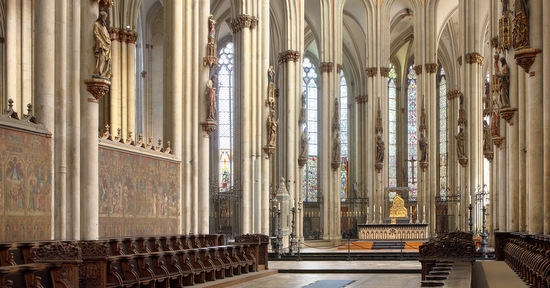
324	273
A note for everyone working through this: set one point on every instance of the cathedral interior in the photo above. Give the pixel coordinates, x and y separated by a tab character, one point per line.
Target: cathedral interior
217	117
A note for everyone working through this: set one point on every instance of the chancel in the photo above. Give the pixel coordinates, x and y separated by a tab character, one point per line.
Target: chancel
170	143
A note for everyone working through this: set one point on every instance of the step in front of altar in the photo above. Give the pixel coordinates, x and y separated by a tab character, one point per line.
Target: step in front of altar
379	245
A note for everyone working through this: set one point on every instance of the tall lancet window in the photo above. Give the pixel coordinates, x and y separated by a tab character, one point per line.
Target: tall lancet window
443	136
392	129
225	115
309	178
344	168
412	128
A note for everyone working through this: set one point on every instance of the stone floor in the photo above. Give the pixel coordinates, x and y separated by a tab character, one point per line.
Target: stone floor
315	272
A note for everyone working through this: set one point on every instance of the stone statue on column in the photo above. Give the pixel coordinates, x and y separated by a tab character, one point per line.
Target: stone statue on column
211	98
272	123
520	33
460	144
423	144
211	59
270	102
102	47
504	78
380	147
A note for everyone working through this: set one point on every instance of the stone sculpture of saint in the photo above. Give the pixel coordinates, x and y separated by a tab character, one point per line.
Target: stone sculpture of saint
303	144
504	83
272	124
460	144
487	139
211	97
379	149
211	28
102	47
423	143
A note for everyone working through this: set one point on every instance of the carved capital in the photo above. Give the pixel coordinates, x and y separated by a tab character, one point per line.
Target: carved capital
339	68
113	33
131	36
525	57
378	166
371	71
453	94
288	55
335	165
97	87
243	21
302	161
105	3
326	67
474	58
384	72
459	61
431	67
362	99
418	69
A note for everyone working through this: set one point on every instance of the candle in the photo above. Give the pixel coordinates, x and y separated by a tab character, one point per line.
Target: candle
279	206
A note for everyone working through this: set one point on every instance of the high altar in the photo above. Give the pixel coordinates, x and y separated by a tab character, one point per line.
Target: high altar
398	226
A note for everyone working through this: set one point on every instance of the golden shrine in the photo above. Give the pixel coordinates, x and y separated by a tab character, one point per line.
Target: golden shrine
398	209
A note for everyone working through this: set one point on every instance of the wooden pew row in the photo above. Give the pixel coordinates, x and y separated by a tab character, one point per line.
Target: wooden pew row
166	261
528	255
439	255
44	264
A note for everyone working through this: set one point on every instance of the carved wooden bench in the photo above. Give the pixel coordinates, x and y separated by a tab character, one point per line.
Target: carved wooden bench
46	264
528	255
438	255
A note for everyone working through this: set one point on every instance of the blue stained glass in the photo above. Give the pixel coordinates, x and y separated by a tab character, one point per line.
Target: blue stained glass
225	114
412	149
309	177
392	127
443	137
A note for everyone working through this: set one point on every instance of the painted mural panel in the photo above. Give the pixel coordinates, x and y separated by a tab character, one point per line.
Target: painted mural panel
138	194
25	186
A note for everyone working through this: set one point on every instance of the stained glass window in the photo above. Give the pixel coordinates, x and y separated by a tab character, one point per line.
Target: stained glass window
443	136
225	115
309	178
412	127
392	129
344	137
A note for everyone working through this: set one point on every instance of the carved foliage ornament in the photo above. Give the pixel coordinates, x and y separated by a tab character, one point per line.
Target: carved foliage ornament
453	94
384	71
474	58
418	69
289	55
326	67
106	3
431	67
243	21
97	87
371	71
